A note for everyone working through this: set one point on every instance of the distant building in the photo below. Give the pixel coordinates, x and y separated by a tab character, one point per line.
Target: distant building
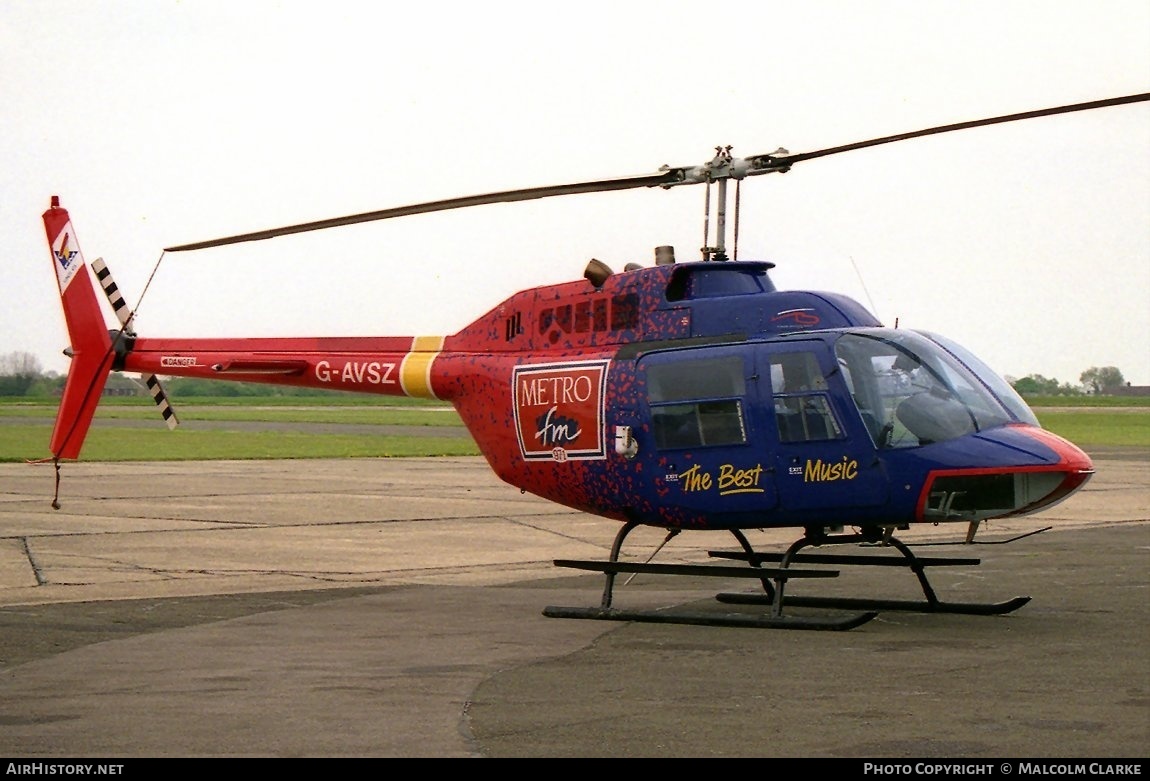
1131	390
123	385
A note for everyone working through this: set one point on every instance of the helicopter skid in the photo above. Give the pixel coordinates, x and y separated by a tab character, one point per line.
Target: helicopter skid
912	605
774	581
760	621
705	570
917	564
771	620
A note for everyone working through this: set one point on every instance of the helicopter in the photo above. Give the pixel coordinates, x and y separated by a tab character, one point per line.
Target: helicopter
681	395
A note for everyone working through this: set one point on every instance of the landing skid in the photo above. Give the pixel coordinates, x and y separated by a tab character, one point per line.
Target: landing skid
753	621
774	582
917	564
912	605
774	619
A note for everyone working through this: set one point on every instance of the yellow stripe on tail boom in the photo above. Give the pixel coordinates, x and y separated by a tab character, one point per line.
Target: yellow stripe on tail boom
415	371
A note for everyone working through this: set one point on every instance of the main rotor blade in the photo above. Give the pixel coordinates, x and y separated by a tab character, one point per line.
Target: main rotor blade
785	161
530	193
666	177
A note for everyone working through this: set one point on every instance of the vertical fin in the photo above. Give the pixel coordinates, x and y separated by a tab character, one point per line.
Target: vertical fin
91	345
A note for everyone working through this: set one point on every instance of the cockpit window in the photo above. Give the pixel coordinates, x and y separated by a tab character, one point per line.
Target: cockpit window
910	391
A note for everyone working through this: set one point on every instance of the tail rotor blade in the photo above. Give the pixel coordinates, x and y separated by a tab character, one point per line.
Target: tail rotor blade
161	399
124	315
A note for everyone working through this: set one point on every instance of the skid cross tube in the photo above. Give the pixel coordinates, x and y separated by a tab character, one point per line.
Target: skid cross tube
917	564
772	620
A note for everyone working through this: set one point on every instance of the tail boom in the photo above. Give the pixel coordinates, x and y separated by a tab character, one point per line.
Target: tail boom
390	366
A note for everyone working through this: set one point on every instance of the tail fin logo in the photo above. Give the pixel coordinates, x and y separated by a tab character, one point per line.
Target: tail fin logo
65	255
66	258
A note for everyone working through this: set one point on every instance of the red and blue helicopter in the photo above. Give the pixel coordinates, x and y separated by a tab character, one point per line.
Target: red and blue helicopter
681	395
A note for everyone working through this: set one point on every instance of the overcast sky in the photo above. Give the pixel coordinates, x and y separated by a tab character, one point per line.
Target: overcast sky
160	122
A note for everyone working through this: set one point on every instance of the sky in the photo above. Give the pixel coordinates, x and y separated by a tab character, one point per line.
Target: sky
160	122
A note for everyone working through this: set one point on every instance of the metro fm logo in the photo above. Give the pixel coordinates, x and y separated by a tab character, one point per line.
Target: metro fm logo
559	410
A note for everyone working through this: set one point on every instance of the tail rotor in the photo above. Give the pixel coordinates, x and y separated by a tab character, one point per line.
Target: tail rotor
125	315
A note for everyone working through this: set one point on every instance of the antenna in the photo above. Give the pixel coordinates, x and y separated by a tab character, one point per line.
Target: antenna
862	282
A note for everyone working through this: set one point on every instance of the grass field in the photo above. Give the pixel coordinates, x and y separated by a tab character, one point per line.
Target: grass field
346	427
303	428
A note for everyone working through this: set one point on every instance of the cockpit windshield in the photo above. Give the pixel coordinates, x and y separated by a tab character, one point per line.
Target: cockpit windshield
998	386
914	390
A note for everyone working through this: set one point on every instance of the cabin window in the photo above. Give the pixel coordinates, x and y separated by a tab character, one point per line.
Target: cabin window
697	403
802	408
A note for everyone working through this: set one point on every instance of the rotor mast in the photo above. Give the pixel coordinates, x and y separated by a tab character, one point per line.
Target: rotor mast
718	171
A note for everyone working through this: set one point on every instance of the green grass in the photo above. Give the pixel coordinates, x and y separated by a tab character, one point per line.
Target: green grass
1098	427
356	400
1088	401
24	442
383	411
439	416
21	443
26	426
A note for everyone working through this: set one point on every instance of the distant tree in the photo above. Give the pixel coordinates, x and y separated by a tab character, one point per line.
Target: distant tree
18	371
19	363
1036	385
50	384
193	386
1102	380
